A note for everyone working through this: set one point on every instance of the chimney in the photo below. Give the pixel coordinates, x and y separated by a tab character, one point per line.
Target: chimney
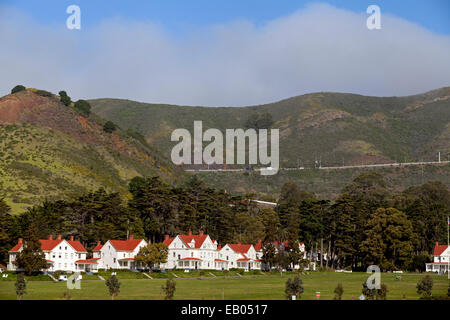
99	243
20	240
50	237
71	238
59	237
201	232
166	237
189	233
131	237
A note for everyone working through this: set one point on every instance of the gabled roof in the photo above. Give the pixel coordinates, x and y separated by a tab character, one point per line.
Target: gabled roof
439	249
46	245
125	245
98	247
199	239
240	248
76	245
167	241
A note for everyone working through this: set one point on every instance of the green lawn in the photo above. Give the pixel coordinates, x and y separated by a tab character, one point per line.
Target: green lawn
255	287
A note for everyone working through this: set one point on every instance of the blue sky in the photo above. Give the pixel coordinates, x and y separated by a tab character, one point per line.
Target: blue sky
178	15
224	53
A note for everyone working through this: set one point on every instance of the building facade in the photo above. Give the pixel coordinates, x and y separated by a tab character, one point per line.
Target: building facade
441	256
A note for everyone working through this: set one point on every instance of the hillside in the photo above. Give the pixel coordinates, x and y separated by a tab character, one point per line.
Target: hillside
50	151
331	128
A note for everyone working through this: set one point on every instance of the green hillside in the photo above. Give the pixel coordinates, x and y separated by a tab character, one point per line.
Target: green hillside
332	128
50	151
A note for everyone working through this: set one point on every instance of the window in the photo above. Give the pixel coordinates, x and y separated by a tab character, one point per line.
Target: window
174	254
114	260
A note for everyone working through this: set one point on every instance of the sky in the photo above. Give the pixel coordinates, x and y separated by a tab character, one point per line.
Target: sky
224	53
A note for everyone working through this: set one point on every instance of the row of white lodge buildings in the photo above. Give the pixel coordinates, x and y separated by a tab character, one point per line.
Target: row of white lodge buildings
189	251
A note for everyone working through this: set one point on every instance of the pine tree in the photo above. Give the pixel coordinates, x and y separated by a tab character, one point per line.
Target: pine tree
169	289
113	285
31	258
294	287
21	286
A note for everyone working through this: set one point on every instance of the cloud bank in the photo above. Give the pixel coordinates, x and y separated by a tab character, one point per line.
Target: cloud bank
319	48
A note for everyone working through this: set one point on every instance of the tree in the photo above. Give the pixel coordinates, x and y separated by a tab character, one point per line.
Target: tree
338	291
389	240
259	121
5	228
21	286
294	287
83	106
109	127
372	294
296	255
169	289
153	253
18	88
65	99
424	287
113	285
31	258
269	254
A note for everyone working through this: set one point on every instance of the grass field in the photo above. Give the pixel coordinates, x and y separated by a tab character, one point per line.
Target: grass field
264	287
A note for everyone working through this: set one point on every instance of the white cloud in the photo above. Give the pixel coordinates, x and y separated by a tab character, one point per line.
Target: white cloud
319	48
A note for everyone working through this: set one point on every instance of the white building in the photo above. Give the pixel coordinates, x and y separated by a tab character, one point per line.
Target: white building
61	255
441	256
242	256
192	252
118	254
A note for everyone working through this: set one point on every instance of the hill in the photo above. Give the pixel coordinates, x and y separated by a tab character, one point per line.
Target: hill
330	128
49	150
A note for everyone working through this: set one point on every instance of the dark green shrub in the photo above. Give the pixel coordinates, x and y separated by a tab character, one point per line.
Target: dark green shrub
109	127
44	93
83	107
424	287
65	99
18	88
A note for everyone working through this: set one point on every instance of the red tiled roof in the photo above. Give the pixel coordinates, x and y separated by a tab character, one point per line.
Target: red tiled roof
125	245
77	245
46	245
240	248
168	241
98	247
87	261
439	249
199	239
127	259
189	258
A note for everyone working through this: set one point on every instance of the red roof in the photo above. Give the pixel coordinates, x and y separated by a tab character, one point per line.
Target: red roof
98	247
439	249
46	245
125	245
127	259
168	241
77	246
247	259
197	259
50	261
220	260
240	248
199	239
87	261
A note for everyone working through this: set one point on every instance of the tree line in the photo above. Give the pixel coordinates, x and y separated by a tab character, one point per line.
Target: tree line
367	224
